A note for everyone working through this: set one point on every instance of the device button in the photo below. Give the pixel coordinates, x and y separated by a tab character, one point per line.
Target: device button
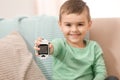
43	56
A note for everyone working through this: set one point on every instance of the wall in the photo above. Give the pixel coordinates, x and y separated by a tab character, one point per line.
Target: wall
13	8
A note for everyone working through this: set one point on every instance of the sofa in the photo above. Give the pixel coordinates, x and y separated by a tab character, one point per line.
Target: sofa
104	30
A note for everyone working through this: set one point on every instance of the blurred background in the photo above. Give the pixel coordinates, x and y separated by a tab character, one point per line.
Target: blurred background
16	8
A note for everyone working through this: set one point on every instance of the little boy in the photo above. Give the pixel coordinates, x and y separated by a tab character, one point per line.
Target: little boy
74	57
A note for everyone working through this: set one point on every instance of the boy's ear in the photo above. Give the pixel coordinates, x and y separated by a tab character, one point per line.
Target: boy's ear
89	25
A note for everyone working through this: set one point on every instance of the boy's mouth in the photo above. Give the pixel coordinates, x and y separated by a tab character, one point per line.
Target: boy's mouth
75	35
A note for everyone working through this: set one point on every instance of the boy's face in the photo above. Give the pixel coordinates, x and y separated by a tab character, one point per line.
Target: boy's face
75	26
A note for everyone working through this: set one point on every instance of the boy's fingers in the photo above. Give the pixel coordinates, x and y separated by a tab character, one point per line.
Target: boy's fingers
36	54
50	45
36	51
37	42
36	48
40	39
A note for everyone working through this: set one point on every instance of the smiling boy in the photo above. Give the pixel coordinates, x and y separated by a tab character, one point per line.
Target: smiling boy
74	57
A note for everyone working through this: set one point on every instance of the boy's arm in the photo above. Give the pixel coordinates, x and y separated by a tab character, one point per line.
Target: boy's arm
99	69
99	65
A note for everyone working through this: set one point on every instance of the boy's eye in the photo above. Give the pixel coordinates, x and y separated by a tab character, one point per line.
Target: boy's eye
80	24
68	24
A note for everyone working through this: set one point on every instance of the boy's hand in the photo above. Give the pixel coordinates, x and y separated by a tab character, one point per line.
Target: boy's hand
38	42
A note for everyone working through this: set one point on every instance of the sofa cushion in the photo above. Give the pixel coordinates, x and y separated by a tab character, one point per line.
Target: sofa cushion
7	26
16	62
45	26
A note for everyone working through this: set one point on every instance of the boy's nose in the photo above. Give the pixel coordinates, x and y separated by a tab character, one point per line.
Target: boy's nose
74	28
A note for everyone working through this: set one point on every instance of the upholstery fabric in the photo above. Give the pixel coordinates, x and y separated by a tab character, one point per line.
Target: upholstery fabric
16	62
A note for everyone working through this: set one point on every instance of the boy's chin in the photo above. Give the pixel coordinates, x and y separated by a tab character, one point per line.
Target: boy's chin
74	41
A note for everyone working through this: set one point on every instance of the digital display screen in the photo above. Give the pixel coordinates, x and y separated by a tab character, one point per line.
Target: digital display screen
43	49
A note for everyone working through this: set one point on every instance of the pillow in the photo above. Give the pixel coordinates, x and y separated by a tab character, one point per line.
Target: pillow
16	62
